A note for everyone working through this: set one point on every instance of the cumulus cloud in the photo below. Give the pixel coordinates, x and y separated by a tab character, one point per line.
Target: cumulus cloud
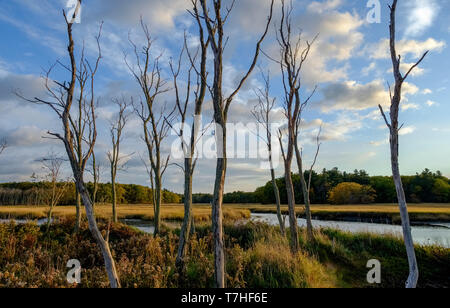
351	95
405	48
27	85
407	130
339	37
159	14
421	16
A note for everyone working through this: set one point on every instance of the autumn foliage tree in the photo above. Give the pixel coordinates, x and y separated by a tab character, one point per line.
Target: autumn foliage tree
352	193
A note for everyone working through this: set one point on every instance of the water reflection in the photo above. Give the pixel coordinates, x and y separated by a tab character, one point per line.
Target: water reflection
427	234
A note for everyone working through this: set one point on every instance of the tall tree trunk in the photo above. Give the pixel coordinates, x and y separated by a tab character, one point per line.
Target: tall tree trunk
396	98
114	196
104	246
406	225
291	204
305	190
187	226
78	210
278	202
192	223
276	191
217	223
158	199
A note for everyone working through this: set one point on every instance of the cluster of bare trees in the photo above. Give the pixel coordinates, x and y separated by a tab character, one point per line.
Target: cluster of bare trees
75	102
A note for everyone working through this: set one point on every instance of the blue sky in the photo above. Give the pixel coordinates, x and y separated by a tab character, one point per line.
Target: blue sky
349	63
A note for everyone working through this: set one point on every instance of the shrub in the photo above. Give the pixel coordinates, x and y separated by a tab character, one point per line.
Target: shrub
352	193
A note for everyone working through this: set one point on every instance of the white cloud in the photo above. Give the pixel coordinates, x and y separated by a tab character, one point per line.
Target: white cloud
427	91
320	7
430	103
408	106
379	143
407	130
421	16
366	70
339	38
405	48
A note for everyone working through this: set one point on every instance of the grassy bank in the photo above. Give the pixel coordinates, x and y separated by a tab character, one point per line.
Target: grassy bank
173	212
256	256
385	213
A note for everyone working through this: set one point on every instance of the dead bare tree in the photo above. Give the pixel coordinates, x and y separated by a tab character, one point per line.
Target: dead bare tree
262	113
188	143
215	25
394	129
155	120
292	58
306	186
116	161
79	128
96	177
52	164
3	145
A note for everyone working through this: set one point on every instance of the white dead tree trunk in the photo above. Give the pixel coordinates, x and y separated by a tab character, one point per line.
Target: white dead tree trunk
188	143
62	96
292	58
155	119
96	177
306	186
394	129
215	25
115	160
262	112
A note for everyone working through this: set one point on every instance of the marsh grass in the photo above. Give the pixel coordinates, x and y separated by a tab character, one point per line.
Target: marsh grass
174	212
390	212
256	256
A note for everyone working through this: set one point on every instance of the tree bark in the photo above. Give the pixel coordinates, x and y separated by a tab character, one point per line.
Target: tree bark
78	210
291	204
217	222
187	226
406	225
104	246
157	206
114	195
276	191
305	191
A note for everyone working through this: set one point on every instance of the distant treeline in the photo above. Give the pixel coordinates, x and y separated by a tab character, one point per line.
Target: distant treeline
30	193
424	187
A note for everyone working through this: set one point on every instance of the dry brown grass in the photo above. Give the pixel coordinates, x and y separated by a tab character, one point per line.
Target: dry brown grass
168	212
436	208
202	212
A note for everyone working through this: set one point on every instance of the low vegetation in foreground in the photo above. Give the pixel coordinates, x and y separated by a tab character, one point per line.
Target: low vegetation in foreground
256	256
